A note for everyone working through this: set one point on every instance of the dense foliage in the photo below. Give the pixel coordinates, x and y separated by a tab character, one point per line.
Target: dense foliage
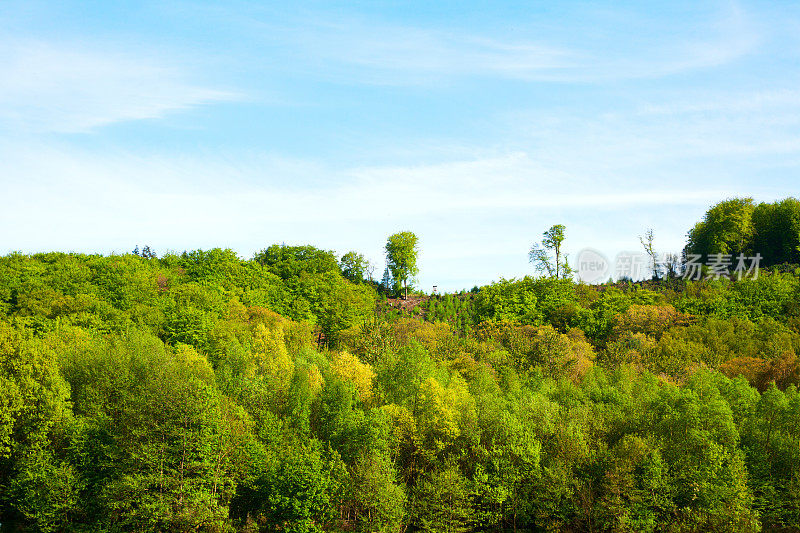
205	392
401	258
738	226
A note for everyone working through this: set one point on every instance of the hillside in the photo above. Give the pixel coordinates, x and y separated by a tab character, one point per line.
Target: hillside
206	392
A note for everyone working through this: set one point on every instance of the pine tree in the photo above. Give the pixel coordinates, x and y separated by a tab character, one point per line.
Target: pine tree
387	282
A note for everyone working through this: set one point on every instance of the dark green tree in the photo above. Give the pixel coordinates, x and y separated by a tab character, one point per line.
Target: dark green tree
442	501
777	231
355	267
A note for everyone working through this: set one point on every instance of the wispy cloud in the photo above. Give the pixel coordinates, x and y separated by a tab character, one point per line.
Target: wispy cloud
48	87
396	54
709	137
440	122
726	38
477	217
770	101
506	182
97	185
360	50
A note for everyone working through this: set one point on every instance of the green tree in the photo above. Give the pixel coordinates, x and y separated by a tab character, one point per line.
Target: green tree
159	447
727	228
375	501
386	281
297	491
511	455
636	492
290	261
777	231
337	304
38	487
699	444
547	256
443	501
401	257
355	267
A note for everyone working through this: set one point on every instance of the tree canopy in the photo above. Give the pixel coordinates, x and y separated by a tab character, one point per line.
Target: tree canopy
738	226
205	392
548	256
401	257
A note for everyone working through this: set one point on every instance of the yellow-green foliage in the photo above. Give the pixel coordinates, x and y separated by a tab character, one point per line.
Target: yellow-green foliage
652	320
403	439
445	412
297	336
349	368
269	353
177	394
630	348
190	358
582	352
312	375
558	354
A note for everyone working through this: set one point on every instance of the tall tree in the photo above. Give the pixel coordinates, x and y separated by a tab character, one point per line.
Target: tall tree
647	243
548	256
401	257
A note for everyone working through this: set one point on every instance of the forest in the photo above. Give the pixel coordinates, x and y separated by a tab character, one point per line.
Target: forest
292	392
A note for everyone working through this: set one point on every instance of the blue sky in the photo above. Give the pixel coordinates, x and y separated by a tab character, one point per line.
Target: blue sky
477	125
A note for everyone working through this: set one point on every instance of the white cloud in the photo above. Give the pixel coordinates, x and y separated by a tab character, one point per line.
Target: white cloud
773	101
392	54
50	87
477	217
727	38
711	136
180	200
358	50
